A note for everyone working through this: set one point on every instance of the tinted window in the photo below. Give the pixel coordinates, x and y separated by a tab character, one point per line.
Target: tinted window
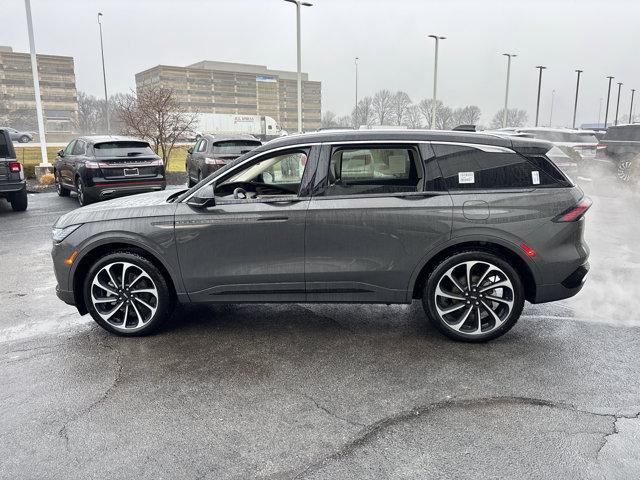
625	133
369	170
4	149
235	147
122	149
78	149
69	149
471	168
202	146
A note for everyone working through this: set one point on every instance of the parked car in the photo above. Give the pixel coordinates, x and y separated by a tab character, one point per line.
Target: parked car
471	224
578	144
211	153
18	136
620	147
13	186
102	167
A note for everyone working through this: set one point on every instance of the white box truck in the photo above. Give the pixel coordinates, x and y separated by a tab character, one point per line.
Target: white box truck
262	127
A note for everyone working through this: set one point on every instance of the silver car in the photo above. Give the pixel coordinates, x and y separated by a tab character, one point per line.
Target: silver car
471	224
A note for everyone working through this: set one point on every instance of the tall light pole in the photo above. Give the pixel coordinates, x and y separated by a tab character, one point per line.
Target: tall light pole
356	106
553	96
618	102
298	4
104	79
633	91
606	110
506	92
575	104
36	87
435	80
540	68
599	112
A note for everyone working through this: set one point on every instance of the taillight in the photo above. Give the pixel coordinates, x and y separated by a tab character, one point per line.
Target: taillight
601	146
15	167
214	161
576	212
92	165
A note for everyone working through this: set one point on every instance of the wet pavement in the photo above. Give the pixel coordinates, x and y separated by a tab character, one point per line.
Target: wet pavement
321	391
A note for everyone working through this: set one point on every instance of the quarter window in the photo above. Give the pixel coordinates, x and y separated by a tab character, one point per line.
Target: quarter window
374	170
468	168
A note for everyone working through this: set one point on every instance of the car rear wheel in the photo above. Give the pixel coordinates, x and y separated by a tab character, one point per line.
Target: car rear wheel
625	171
24	139
19	200
62	191
127	294
473	296
83	197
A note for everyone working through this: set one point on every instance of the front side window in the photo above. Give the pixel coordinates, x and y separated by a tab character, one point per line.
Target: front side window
202	146
469	168
271	175
78	149
69	149
374	170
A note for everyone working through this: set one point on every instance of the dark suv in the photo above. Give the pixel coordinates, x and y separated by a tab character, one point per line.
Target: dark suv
471	224
102	167
13	185
211	153
621	146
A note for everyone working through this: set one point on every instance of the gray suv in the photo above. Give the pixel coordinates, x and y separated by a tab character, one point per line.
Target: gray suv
471	224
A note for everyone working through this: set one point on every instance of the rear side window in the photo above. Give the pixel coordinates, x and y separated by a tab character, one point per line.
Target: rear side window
4	148
79	148
122	149
469	168
625	133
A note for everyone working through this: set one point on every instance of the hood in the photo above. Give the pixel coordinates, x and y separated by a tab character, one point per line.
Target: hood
152	204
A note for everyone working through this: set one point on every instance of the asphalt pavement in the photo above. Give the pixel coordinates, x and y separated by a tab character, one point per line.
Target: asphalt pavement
321	391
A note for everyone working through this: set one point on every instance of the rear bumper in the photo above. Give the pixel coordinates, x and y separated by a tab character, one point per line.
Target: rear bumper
12	187
105	190
569	287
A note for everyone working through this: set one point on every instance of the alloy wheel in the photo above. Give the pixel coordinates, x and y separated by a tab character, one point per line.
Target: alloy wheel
124	295
624	171
474	297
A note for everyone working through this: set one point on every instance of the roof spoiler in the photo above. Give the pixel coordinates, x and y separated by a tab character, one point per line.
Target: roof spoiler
530	146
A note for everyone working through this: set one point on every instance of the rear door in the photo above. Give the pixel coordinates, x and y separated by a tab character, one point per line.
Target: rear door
66	165
376	210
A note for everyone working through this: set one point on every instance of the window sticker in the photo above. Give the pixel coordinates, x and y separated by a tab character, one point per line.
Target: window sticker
466	177
535	177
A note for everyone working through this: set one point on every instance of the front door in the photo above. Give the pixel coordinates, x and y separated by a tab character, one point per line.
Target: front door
249	246
381	210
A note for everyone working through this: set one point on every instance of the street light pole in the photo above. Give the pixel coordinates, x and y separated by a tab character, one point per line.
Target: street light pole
299	4
540	68
618	102
36	87
435	80
355	123
575	105
553	96
506	92
606	110
633	91
104	79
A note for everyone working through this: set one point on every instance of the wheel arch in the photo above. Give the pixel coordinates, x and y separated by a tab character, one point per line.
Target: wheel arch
524	267
89	258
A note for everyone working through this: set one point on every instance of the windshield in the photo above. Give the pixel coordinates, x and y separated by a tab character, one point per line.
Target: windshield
122	149
234	147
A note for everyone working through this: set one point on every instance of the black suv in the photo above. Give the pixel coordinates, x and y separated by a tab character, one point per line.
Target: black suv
13	186
102	167
621	146
211	153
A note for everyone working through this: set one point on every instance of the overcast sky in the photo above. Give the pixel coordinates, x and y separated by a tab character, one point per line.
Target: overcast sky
598	36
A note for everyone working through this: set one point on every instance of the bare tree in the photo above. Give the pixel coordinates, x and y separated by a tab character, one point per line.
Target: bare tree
426	108
469	115
382	108
444	118
345	121
90	114
155	115
329	120
364	114
413	117
515	118
400	102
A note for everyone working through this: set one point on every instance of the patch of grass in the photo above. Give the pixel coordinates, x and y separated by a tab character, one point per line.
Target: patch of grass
30	157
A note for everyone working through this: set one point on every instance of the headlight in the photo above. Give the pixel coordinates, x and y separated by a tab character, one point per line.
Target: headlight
59	234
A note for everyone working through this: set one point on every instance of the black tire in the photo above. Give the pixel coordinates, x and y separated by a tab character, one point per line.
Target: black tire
62	191
84	198
24	139
465	332
19	200
164	303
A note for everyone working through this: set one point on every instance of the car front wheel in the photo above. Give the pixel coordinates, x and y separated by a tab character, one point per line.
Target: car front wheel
127	294
24	139
625	171
473	296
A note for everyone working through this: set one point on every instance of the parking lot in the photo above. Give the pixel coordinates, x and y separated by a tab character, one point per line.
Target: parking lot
321	391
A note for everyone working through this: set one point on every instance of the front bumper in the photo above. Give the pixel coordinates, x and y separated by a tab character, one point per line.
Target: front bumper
65	295
569	287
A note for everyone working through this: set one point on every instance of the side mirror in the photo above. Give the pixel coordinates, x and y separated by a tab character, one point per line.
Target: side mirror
204	197
190	150
61	153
